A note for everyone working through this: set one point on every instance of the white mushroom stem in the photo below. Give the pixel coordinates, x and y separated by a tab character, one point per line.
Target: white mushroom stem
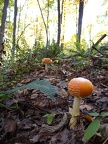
76	106
75	112
46	67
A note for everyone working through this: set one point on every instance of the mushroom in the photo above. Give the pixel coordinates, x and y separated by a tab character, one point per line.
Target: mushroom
79	88
46	61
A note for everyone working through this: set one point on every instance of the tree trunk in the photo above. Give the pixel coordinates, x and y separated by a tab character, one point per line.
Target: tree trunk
14	28
47	26
59	23
80	18
46	29
63	20
2	28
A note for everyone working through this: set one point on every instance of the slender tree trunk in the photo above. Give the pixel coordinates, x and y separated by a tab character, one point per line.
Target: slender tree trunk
2	28
14	28
47	26
80	18
46	30
59	23
76	16
63	20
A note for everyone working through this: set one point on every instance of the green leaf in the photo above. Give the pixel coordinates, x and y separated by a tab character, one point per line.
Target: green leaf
43	85
91	130
4	96
95	114
2	105
104	114
50	117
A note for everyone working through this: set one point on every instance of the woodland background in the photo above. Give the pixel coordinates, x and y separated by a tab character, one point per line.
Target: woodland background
31	36
34	29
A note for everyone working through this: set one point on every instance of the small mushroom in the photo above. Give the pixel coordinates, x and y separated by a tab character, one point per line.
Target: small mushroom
46	61
79	88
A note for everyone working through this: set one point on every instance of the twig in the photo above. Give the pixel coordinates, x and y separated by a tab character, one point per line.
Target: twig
105	141
94	45
22	32
102	37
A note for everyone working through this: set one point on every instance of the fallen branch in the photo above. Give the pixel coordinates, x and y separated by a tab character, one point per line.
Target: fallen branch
94	45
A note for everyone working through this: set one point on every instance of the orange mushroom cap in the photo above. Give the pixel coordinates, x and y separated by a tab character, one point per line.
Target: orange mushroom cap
80	87
47	60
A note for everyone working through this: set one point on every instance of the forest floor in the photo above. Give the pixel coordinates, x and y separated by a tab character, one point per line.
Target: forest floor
24	119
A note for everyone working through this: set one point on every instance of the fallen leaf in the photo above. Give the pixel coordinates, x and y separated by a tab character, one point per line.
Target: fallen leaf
62	84
26	124
88	117
104	130
34	139
61	137
10	127
102	99
33	96
27	80
51	129
61	92
87	107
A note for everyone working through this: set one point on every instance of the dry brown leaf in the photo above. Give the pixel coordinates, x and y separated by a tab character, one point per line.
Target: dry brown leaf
34	139
62	84
61	137
102	99
10	127
88	117
87	107
27	80
104	130
61	92
26	124
33	96
51	129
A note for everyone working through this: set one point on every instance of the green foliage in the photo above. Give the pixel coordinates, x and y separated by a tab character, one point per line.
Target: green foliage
50	117
1	5
95	114
95	126
35	54
104	114
4	96
100	56
42	85
91	130
11	3
53	50
3	76
50	4
81	55
103	48
40	51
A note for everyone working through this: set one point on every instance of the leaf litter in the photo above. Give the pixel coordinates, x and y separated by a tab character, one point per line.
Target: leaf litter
22	120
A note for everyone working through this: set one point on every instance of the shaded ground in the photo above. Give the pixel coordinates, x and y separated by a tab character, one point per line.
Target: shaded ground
23	119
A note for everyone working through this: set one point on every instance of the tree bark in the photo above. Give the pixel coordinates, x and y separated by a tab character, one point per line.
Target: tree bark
2	28
80	18
63	20
46	28
47	25
59	23
14	28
